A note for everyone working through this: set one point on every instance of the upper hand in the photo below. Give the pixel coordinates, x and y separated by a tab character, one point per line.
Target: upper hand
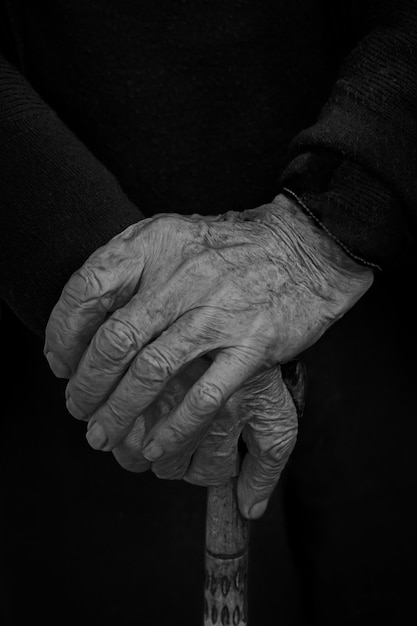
253	289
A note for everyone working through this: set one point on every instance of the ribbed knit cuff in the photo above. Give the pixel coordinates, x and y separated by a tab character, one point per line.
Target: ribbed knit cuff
352	206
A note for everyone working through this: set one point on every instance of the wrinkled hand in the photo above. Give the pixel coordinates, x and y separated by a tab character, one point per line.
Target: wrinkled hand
262	410
251	289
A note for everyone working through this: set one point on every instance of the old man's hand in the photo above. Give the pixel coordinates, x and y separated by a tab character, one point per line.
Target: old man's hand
263	411
250	289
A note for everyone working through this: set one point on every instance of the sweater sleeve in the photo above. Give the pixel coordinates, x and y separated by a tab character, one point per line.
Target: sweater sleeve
355	169
58	203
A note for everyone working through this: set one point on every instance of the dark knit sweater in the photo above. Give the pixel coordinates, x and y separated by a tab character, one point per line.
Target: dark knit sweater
115	110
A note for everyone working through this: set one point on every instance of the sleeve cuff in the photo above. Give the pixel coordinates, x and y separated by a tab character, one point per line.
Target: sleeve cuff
352	206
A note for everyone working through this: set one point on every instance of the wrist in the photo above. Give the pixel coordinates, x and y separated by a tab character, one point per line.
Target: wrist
302	244
287	212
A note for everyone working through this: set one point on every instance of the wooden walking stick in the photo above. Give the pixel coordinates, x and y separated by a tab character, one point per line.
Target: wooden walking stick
227	543
227	535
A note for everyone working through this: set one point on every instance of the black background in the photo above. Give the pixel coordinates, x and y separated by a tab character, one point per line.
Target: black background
84	541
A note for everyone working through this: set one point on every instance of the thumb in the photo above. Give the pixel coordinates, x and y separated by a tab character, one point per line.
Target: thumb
270	436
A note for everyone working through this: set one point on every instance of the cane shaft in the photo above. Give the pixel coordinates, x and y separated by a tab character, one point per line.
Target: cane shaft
227	535
226	559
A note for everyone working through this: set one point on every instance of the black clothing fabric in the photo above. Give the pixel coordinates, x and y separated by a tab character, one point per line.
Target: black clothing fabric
116	110
192	108
86	542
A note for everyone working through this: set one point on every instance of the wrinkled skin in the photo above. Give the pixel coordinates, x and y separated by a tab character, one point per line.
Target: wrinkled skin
251	289
262	411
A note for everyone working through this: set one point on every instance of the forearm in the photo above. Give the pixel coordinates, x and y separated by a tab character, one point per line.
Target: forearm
58	202
355	167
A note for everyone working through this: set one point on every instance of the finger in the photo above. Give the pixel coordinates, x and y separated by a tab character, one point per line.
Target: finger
129	452
229	370
111	351
126	332
216	458
111	276
175	466
270	437
104	283
151	375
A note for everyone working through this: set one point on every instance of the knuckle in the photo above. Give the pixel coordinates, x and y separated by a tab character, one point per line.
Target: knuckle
168	221
83	396
152	367
83	286
119	419
205	398
114	341
130	233
174	435
281	450
164	224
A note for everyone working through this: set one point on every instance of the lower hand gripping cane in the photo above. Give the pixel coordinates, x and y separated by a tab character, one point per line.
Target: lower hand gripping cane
227	535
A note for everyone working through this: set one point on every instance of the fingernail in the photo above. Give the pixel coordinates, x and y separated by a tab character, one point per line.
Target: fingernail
152	451
96	436
74	410
57	366
258	509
